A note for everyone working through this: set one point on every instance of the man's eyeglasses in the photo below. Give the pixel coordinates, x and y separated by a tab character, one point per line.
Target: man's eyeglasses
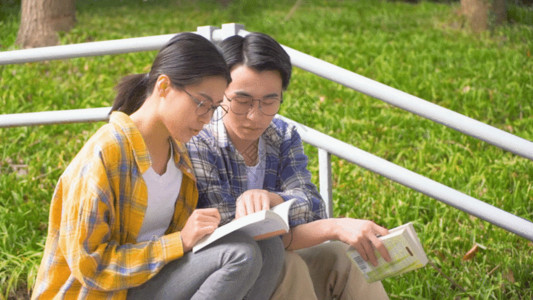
241	105
206	106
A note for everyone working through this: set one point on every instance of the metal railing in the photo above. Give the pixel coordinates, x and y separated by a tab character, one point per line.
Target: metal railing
326	145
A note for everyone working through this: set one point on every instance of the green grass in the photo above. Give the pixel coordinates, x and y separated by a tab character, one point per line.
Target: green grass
421	49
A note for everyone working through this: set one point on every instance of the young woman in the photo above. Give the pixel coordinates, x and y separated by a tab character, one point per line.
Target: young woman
119	224
251	160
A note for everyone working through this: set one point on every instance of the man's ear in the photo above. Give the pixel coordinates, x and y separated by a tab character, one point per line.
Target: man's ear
162	85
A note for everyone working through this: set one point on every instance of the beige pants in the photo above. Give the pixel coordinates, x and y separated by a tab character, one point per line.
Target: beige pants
324	272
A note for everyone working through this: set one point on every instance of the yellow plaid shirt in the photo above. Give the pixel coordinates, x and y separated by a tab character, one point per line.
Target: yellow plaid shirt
96	213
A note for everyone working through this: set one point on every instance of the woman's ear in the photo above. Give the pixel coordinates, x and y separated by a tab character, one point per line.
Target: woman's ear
162	85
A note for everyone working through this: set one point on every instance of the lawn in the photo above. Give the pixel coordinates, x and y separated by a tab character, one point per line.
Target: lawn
423	49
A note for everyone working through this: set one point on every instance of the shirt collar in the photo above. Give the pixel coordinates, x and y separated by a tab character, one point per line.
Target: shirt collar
141	154
132	133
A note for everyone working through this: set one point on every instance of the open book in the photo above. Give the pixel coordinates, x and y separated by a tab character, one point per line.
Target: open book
405	250
261	225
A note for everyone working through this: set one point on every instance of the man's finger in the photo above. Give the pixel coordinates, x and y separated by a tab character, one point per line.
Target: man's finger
381	230
241	210
265	203
378	244
361	251
367	246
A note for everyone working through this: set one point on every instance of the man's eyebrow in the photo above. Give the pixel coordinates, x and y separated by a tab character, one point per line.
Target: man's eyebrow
271	95
242	93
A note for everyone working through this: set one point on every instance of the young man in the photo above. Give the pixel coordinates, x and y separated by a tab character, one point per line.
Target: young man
251	160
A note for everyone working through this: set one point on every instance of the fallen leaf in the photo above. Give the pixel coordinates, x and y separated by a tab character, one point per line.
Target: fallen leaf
440	255
509	276
470	254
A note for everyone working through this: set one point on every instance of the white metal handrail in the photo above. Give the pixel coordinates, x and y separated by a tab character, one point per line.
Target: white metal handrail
327	145
299	59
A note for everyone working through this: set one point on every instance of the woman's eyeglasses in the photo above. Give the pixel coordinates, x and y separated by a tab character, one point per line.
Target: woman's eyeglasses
206	106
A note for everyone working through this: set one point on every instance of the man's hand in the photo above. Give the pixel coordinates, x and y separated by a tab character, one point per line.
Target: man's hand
201	223
363	236
255	200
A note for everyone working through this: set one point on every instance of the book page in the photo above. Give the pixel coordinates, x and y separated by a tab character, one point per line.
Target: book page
275	222
283	210
260	225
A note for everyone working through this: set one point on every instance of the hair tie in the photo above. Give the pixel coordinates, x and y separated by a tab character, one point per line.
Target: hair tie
290	242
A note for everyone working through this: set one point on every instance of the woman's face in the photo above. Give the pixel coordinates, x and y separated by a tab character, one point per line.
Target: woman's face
247	82
179	110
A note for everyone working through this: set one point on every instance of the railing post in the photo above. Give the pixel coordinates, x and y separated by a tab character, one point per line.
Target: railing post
324	175
207	31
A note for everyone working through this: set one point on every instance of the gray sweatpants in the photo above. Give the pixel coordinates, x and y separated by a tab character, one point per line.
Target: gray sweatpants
235	267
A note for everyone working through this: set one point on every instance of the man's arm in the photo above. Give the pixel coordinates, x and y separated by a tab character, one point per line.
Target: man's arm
360	234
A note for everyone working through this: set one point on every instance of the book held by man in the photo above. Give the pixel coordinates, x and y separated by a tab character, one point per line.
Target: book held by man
260	225
405	250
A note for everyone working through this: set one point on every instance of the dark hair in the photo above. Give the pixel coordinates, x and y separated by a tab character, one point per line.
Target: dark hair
259	52
186	59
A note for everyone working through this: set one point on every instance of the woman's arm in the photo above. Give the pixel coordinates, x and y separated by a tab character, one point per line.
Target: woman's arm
98	214
93	243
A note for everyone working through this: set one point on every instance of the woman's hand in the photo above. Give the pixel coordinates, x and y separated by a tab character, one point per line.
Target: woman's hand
201	223
363	236
255	200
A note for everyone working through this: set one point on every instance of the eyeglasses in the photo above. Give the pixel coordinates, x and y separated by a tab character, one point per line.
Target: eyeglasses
241	105
205	106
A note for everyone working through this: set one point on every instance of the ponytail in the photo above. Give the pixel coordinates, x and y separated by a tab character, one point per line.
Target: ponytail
131	93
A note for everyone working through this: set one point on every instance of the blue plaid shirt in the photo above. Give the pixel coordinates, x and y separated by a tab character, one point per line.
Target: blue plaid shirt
221	172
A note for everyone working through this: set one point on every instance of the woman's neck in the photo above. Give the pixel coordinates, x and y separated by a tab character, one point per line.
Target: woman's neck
155	136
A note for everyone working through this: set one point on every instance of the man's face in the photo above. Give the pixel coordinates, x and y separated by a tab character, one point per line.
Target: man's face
255	99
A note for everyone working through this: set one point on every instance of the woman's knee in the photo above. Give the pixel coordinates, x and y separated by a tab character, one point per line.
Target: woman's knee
242	249
273	252
274	246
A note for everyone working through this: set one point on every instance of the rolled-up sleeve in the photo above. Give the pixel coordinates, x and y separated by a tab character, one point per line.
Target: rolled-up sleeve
294	181
94	256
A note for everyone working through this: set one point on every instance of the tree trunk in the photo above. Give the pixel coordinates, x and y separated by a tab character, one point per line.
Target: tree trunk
483	14
42	19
